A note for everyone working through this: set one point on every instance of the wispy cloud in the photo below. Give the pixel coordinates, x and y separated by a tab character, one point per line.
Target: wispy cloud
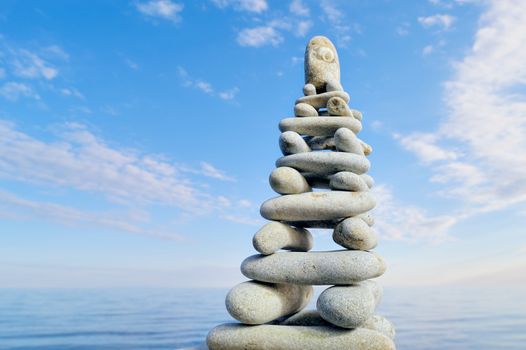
259	36
336	19
478	152
205	86
299	8
13	91
442	21
255	6
163	9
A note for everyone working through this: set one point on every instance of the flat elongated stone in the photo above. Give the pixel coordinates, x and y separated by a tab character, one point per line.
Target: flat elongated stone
319	126
321	63
337	106
255	302
291	142
312	206
346	141
276	235
305	110
348	181
347	306
275	337
325	163
310	318
285	180
341	267
355	233
320	100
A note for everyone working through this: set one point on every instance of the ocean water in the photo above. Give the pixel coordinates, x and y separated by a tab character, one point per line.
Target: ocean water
140	319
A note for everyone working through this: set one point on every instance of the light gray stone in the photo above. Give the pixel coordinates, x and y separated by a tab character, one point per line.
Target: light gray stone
319	126
309	89
313	206
367	149
320	100
276	235
325	163
367	217
291	142
347	181
305	110
338	107
276	337
321	63
286	180
341	267
333	86
347	306
355	233
346	141
255	302
312	318
357	114
319	143
380	324
368	180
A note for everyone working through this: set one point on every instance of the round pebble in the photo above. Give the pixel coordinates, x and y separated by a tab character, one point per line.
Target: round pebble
354	233
305	110
347	181
337	106
291	142
276	235
286	180
346	141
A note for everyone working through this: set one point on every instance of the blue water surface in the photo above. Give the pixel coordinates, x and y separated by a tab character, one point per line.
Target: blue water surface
139	319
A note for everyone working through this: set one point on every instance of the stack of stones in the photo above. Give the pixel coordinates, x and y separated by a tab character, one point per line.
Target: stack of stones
320	150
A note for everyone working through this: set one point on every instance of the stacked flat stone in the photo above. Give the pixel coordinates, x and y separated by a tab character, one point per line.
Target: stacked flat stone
320	151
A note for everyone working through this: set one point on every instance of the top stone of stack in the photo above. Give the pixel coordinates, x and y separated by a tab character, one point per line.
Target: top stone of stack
322	67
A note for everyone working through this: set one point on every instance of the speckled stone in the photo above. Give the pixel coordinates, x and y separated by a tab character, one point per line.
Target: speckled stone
310	318
320	100
318	143
276	235
355	233
309	89
291	142
341	267
325	163
321	63
367	217
346	141
305	110
285	180
368	180
255	302
276	337
357	114
337	106
348	306
367	149
310	206
347	181
319	126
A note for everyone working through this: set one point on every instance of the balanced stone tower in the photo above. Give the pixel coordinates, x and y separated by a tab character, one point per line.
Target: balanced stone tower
320	151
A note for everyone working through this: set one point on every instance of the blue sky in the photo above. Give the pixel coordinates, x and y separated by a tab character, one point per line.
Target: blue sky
136	137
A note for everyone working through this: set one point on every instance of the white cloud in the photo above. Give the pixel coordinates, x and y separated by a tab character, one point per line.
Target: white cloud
204	86
209	170
299	8
256	6
229	94
443	21
427	50
71	92
27	64
259	36
13	91
336	20
478	153
164	9
403	29
303	28
80	160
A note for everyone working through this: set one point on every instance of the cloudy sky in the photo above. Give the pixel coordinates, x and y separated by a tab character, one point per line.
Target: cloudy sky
136	137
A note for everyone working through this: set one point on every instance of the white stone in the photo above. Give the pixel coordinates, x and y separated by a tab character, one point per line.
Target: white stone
355	233
291	142
276	235
286	180
346	141
320	100
319	126
309	89
338	107
347	181
311	206
321	63
341	267
357	114
255	302
276	337
305	110
325	163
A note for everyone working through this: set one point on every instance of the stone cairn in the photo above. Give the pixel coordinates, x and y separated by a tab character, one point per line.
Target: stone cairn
321	150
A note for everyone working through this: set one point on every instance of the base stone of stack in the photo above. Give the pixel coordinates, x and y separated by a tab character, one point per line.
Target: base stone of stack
341	267
275	337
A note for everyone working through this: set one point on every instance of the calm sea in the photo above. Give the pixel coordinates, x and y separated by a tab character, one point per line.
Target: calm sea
133	319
